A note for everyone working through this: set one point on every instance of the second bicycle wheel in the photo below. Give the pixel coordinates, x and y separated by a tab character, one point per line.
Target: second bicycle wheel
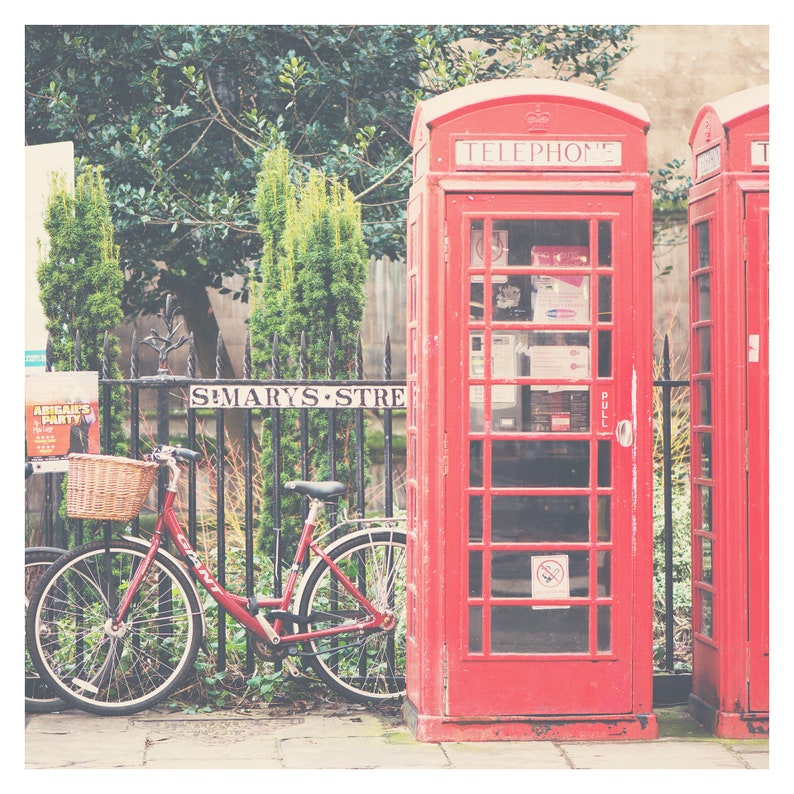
39	698
364	666
91	664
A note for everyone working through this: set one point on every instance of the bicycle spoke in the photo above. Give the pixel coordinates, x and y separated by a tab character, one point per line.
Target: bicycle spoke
366	665
122	667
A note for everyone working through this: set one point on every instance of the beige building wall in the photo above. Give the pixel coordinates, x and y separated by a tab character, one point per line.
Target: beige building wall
673	71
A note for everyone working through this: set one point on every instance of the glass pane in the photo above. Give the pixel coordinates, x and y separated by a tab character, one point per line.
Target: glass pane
705	559
705	454
475	519
475	629
475	574
543	243
704	392
476	415
522	298
705	507
604	522
477	355
703	340
605	299
703	284
704	247
477	248
559	408
706	614
537	519
604	464
604	574
604	629
540	463
536	409
511	575
605	243
475	463
605	354
517	629
557	355
560	299
477	299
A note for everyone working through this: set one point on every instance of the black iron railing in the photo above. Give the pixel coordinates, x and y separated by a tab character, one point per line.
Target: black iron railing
176	395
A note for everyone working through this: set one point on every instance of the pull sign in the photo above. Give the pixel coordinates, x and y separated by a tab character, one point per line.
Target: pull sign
605	418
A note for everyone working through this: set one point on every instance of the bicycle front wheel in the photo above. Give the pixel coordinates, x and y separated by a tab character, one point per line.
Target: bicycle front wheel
91	664
38	698
366	666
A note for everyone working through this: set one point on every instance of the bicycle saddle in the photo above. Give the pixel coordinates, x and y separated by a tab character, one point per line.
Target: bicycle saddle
329	489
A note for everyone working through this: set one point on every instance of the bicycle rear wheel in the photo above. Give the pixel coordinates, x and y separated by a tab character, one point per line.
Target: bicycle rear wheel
39	699
87	662
364	666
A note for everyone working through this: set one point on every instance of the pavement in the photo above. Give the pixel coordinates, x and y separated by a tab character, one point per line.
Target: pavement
338	736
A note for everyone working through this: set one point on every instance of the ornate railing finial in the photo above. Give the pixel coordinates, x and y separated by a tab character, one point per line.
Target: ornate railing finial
165	344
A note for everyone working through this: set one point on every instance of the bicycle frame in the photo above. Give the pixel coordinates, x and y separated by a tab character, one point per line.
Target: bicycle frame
239	606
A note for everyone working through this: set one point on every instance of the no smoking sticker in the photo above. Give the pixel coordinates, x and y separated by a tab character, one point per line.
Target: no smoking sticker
550	577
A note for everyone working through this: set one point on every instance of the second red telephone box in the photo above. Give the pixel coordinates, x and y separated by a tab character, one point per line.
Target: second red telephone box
529	416
729	312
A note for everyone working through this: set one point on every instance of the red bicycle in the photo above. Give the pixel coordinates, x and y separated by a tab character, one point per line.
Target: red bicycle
115	625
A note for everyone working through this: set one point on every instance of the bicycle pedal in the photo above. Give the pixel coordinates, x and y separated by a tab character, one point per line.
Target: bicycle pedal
291	668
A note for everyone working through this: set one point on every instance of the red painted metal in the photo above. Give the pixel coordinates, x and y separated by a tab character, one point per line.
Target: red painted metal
529	351
729	313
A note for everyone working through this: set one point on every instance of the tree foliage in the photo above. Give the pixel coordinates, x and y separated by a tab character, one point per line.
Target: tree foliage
178	115
80	280
308	306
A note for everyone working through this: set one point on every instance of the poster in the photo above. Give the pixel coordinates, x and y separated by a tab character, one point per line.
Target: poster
499	249
561	299
61	411
559	361
550	579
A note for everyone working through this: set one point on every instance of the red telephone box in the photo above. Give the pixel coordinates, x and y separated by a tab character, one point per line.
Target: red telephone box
729	366
529	416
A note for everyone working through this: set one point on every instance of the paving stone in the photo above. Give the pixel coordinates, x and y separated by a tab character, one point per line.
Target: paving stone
504	755
364	752
96	749
219	752
651	755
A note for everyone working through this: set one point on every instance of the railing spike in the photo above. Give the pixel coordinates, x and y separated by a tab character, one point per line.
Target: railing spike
191	356
106	357
219	357
134	354
387	358
331	357
247	355
78	359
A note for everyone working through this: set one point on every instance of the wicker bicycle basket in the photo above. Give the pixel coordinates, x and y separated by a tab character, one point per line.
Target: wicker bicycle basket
107	488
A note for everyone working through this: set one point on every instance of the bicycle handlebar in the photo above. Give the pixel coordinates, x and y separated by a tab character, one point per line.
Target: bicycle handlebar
162	452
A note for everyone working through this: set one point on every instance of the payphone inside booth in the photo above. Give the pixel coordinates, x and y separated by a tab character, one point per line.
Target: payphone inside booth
529	416
729	372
